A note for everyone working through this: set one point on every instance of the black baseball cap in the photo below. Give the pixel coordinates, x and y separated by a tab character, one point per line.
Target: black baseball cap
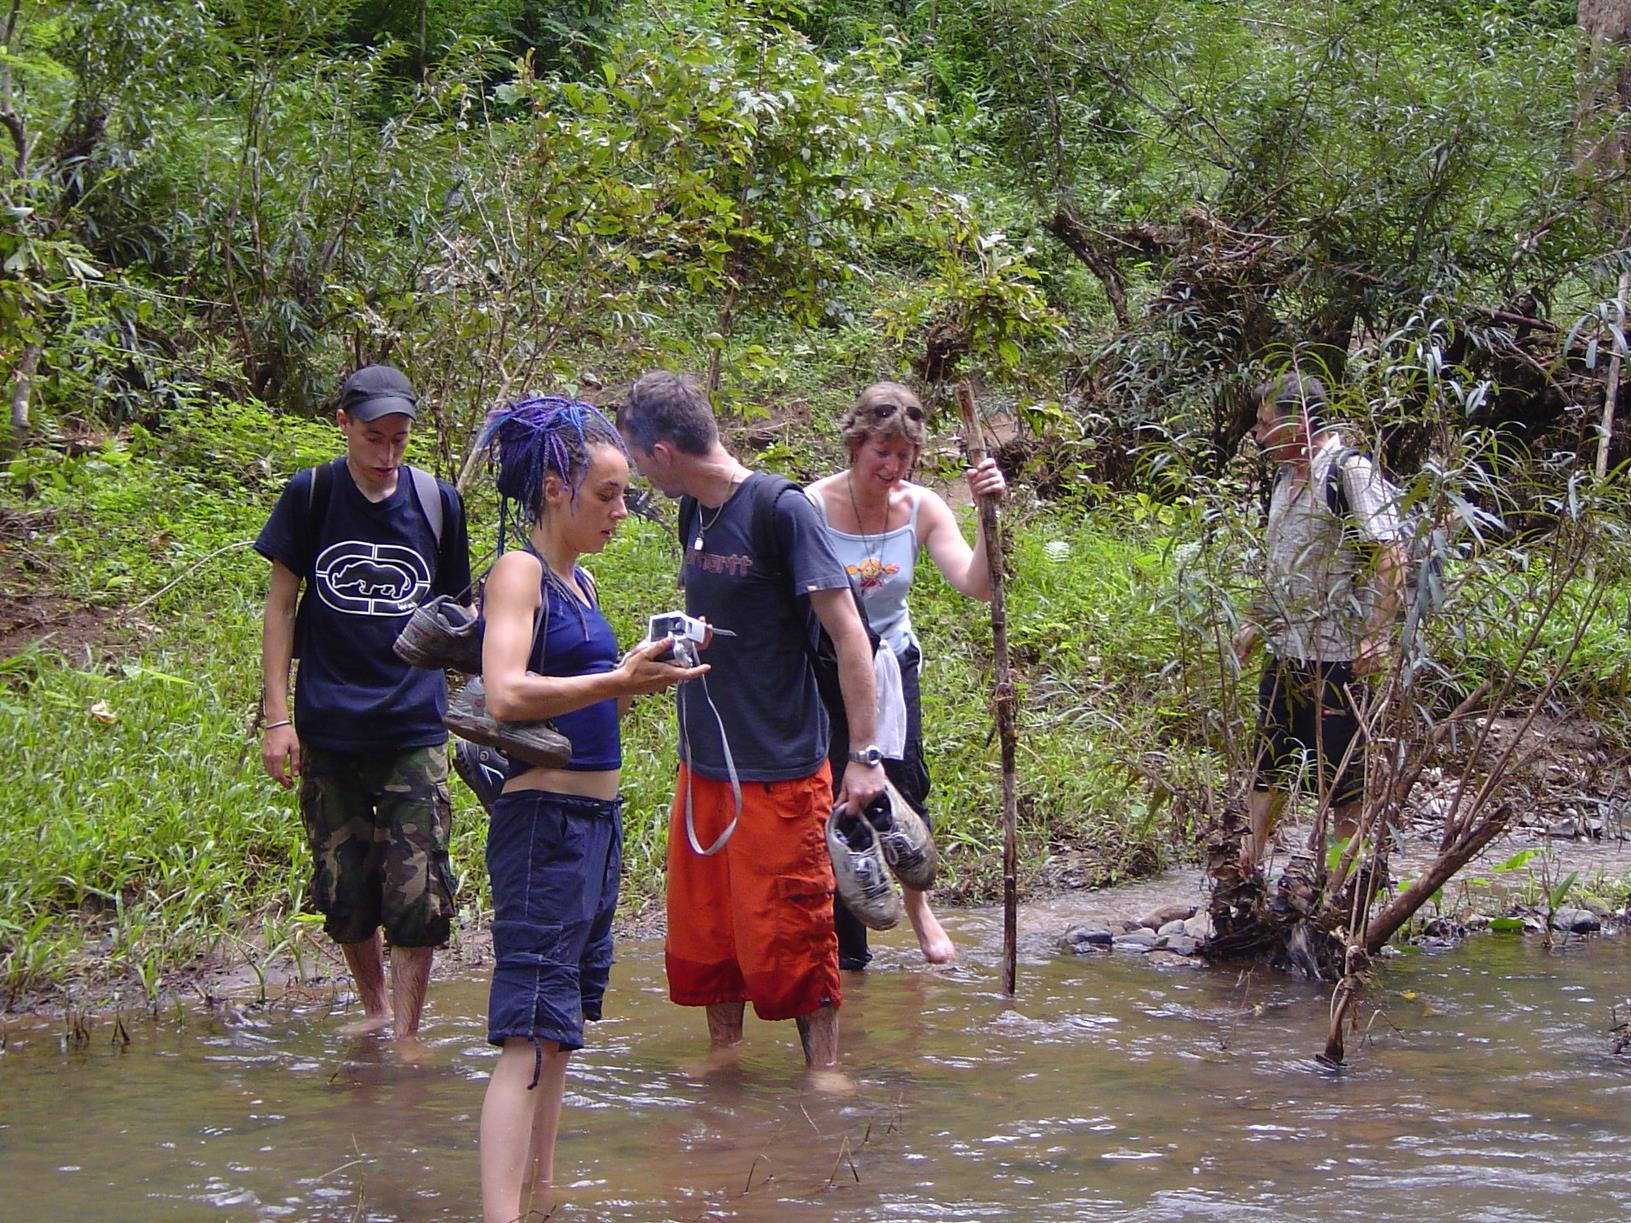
378	390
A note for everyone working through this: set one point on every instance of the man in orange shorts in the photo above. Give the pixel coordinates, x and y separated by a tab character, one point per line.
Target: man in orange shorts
749	881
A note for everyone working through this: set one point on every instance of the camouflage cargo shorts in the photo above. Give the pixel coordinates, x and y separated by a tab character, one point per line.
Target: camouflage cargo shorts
377	824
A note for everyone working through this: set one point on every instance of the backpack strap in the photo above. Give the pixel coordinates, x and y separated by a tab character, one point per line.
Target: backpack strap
318	494
823	653
319	491
766	491
1336	488
429	492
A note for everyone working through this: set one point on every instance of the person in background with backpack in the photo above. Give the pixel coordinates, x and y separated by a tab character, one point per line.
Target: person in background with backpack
1326	609
878	521
554	842
371	538
749	880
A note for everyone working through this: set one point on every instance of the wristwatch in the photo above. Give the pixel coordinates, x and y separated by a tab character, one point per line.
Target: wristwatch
870	755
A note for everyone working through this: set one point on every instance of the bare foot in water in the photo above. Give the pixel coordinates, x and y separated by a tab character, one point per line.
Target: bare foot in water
367	1024
830	1081
932	939
412	1050
719	1057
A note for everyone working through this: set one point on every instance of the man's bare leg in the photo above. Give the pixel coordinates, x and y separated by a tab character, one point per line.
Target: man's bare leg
410	978
725	1024
818	1032
1344	827
1345	820
1263	811
724	1039
932	938
366	962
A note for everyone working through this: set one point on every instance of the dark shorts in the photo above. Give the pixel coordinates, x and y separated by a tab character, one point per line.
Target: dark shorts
554	860
377	824
1301	740
910	776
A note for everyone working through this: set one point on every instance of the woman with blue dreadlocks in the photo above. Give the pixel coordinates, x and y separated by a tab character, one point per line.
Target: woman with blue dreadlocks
554	844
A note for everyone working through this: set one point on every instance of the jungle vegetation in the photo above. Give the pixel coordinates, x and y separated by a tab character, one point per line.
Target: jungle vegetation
1113	216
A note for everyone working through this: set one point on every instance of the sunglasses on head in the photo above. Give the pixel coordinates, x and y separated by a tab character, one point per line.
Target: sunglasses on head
884	411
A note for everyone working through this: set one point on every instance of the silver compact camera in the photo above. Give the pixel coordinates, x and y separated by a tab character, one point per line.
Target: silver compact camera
685	632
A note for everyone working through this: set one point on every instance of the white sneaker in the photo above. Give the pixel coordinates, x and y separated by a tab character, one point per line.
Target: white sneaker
863	879
904	838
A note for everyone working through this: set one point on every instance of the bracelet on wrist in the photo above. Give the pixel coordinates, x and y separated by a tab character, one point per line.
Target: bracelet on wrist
275	725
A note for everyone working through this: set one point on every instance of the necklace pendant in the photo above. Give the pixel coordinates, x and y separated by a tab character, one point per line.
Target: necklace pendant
696	546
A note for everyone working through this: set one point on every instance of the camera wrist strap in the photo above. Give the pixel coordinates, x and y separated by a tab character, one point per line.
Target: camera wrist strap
730	770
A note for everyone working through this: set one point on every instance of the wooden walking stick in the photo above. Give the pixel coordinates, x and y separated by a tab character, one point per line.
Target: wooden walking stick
1002	697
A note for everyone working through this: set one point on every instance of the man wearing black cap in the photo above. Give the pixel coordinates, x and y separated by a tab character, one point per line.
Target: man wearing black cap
371	538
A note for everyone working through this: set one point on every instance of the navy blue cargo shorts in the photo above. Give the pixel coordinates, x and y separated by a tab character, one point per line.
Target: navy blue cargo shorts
554	861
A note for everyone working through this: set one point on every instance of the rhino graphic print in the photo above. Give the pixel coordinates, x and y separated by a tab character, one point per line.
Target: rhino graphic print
364	579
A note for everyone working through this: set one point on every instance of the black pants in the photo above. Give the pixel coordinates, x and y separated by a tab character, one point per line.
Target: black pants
1305	721
910	776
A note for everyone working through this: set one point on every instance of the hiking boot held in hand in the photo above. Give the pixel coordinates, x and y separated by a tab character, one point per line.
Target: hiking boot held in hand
536	743
904	839
858	866
441	636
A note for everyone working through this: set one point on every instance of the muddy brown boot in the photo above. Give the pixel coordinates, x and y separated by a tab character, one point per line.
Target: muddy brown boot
536	743
440	635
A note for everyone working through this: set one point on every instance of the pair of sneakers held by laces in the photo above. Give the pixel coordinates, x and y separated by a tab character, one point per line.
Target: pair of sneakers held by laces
888	836
441	635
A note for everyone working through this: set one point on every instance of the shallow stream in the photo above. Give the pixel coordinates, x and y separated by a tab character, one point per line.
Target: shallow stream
1108	1089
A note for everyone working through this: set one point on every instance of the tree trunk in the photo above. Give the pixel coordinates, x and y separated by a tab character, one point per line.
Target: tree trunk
22	388
1616	368
1078	240
1607	27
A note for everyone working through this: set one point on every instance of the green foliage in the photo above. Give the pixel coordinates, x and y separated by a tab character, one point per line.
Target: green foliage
566	36
293	202
1260	178
1119	213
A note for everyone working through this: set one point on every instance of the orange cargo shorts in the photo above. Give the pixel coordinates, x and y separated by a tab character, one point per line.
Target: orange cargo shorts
753	923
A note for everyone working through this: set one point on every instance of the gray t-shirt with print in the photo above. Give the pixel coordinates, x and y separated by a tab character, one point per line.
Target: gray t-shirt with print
1316	592
761	681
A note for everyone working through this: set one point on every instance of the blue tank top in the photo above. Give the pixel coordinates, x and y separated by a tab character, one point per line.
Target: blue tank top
576	640
882	566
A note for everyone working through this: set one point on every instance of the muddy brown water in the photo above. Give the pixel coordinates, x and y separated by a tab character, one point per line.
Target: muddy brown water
1108	1089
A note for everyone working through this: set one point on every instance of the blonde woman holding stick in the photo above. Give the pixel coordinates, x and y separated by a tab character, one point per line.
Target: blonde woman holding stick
879	523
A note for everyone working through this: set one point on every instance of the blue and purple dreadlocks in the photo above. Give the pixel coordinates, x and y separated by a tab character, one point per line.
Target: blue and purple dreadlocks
533	438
